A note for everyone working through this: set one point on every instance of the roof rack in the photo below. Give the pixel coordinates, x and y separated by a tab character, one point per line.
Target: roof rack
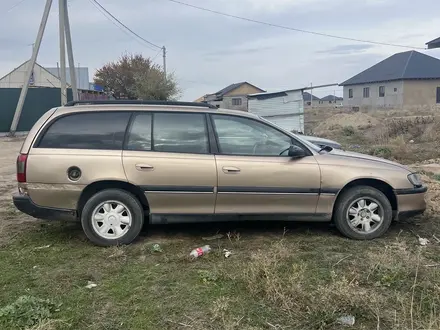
146	102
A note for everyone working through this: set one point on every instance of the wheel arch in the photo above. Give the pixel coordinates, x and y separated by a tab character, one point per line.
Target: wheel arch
380	185
98	186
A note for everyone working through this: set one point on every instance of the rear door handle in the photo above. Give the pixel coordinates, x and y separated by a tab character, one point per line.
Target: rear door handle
144	167
231	170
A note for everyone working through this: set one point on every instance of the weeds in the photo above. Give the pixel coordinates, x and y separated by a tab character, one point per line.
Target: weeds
27	311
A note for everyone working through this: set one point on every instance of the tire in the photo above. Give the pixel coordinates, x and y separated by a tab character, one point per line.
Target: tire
353	217
122	218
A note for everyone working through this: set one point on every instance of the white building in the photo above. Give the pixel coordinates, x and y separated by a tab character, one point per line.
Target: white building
40	77
285	108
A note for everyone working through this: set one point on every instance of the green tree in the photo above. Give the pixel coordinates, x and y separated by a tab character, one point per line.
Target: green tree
136	77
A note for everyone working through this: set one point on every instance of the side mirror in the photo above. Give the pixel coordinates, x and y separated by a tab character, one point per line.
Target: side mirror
296	152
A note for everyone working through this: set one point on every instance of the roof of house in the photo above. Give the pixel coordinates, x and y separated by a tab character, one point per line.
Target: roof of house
307	95
331	98
433	43
400	66
36	65
231	87
265	95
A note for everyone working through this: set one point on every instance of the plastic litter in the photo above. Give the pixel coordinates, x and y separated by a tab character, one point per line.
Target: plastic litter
156	248
227	253
346	320
423	241
200	251
91	285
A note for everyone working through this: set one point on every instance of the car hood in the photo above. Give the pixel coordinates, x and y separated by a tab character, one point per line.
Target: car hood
356	155
321	141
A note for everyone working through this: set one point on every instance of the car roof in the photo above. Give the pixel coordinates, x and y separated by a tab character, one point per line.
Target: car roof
79	106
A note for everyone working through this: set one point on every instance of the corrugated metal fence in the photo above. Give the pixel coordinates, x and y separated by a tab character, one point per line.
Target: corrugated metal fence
38	101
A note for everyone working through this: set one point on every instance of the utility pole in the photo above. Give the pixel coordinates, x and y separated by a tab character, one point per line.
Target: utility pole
311	95
164	54
30	68
62	15
70	53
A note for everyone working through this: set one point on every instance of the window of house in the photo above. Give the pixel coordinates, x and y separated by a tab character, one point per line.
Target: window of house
243	136
93	130
395	89
180	132
350	93
236	101
381	91
330	102
366	92
139	137
309	103
438	95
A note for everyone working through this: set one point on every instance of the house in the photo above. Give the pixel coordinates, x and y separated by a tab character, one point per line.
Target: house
232	97
285	108
310	100
402	80
331	99
44	93
433	43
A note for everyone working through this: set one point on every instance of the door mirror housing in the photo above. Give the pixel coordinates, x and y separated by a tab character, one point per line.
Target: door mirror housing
296	152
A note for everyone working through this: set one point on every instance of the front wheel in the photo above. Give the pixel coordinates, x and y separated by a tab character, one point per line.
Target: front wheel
363	213
112	217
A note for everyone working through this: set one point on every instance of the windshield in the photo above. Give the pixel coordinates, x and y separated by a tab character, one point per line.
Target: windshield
298	137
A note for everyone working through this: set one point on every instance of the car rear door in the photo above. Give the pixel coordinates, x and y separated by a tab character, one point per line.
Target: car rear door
167	154
255	175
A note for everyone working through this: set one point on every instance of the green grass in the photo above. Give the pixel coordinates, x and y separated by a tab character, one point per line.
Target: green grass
304	277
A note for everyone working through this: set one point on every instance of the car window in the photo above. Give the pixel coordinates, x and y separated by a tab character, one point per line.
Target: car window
243	136
139	137
97	130
180	132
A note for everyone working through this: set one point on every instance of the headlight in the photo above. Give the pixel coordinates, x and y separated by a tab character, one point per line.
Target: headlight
415	179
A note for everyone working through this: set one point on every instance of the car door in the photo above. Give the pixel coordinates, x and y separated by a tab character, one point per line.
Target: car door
255	174
167	154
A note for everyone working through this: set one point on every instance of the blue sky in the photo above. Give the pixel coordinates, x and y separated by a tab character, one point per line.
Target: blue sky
206	52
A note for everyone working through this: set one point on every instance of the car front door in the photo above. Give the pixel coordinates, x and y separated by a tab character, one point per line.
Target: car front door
167	154
255	173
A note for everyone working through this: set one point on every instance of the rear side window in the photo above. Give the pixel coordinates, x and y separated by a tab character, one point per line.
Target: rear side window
97	130
180	132
139	138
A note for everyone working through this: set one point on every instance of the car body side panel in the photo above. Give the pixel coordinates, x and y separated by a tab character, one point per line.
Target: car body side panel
48	183
174	183
267	185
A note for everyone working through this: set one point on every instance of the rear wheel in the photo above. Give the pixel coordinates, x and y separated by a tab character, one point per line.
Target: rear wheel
112	217
363	213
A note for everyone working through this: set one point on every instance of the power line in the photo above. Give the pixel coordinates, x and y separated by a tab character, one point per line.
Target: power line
119	27
125	26
291	28
15	6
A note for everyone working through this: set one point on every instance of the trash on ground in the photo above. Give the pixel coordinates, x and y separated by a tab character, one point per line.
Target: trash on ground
423	241
435	237
200	251
346	320
227	253
42	247
156	248
91	285
212	238
411	141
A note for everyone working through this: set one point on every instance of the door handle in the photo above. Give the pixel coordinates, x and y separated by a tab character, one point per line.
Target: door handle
144	167
231	170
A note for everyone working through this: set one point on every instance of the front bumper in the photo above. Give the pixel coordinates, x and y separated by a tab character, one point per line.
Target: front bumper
410	202
24	204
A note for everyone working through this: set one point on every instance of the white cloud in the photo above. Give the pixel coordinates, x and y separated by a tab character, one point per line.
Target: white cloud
208	51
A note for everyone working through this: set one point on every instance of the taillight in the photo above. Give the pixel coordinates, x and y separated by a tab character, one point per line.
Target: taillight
21	167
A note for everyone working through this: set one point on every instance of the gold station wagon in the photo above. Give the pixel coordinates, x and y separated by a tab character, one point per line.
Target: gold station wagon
112	165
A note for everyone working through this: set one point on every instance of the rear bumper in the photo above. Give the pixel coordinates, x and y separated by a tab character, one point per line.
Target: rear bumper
410	202
24	204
